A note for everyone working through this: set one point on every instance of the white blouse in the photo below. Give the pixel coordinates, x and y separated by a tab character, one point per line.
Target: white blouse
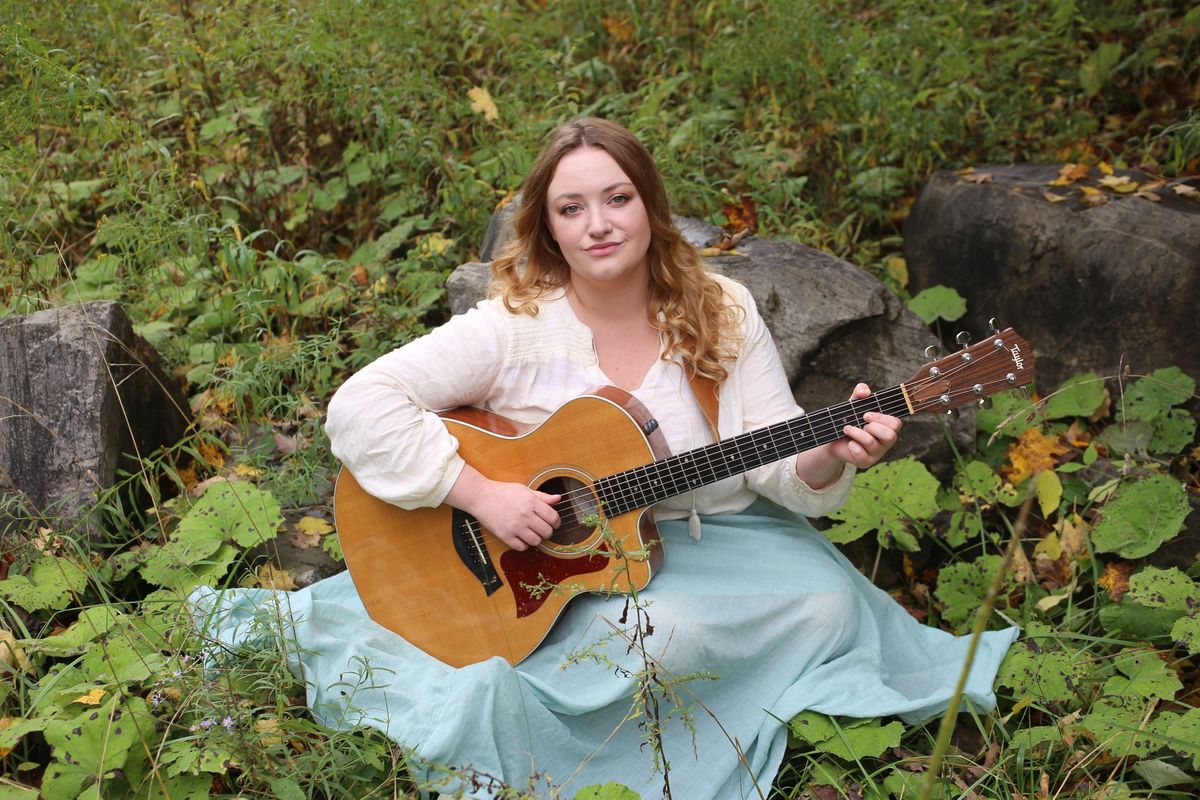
381	423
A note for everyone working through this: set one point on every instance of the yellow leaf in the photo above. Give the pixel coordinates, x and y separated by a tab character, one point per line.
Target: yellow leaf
314	526
1089	190
481	102
434	244
1050	601
91	698
1049	491
268	727
1105	167
246	471
272	577
1054	198
1119	183
1060	181
1033	452
1049	546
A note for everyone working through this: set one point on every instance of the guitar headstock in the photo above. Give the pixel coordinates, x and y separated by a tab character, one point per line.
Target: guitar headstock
1001	361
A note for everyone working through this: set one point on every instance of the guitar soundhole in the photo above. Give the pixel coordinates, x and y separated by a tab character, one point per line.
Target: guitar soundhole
577	502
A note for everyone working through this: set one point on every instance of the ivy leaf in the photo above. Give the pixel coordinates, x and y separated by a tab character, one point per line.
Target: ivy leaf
90	747
1147	676
1051	676
1151	396
1079	396
1159	773
962	586
851	739
938	302
1115	724
237	511
1141	516
1164	588
884	499
51	583
977	481
1183	735
1186	631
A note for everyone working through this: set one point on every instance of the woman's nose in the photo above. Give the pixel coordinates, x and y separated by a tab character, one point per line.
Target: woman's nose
598	223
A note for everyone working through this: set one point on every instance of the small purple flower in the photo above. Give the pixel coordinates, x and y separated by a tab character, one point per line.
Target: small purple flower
156	699
228	723
207	723
192	729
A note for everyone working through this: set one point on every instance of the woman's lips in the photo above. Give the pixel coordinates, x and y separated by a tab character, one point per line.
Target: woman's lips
602	249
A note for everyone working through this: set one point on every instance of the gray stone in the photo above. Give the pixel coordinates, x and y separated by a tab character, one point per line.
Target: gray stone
80	395
1091	288
834	325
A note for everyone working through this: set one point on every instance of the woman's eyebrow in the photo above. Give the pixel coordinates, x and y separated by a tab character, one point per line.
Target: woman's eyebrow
605	190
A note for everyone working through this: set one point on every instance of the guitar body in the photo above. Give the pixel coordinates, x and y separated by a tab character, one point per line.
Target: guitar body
451	588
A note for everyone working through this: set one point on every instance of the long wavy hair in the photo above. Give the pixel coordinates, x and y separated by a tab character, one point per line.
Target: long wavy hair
687	304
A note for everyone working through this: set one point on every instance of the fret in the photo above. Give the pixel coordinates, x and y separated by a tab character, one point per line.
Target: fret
648	484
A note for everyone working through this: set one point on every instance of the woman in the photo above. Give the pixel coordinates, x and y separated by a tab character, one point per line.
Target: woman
753	618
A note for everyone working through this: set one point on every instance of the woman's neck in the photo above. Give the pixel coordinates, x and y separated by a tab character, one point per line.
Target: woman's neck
609	304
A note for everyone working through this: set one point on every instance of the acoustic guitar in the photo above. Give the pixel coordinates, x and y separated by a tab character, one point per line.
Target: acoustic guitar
448	586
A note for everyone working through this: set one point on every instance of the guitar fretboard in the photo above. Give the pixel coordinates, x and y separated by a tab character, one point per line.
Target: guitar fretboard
646	485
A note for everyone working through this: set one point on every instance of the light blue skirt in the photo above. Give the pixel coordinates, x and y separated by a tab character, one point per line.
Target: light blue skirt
760	619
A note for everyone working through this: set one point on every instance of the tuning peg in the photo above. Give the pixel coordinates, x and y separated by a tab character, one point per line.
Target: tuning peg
963	338
933	351
952	413
994	325
985	403
1022	392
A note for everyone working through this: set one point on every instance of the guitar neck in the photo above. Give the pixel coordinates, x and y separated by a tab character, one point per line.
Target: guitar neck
646	485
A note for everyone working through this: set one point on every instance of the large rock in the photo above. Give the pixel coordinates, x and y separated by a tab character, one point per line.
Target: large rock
1091	287
80	395
834	325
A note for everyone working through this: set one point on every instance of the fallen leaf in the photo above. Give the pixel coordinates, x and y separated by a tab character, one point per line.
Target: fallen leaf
1054	198
1093	200
1115	579
1072	536
979	177
200	488
272	577
359	275
1033	452
1183	190
247	471
10	654
618	27
286	445
1151	196
481	102
212	454
314	526
741	215
1022	570
92	697
1119	183
1105	167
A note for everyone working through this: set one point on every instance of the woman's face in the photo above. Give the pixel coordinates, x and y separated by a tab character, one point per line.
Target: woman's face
597	217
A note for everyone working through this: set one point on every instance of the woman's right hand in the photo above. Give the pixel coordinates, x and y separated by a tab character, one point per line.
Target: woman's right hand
515	514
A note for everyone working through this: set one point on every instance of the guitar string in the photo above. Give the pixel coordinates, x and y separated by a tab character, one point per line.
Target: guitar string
827	419
634	493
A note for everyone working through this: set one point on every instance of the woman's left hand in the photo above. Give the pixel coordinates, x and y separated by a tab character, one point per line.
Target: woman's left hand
864	445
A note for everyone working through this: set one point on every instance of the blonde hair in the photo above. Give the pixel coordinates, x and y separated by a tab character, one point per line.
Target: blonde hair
687	304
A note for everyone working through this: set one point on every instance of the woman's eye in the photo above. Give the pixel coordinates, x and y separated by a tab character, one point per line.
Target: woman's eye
569	210
619	199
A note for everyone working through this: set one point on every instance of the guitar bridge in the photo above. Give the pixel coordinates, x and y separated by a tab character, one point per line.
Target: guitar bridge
468	543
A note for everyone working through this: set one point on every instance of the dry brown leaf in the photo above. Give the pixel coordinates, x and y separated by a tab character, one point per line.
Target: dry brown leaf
1115	579
200	488
1151	196
10	654
1072	536
1054	198
1093	200
212	454
286	445
482	102
246	471
979	177
619	28
1022	570
359	275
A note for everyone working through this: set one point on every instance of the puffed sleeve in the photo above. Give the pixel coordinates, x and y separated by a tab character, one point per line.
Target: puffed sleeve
767	398
381	423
